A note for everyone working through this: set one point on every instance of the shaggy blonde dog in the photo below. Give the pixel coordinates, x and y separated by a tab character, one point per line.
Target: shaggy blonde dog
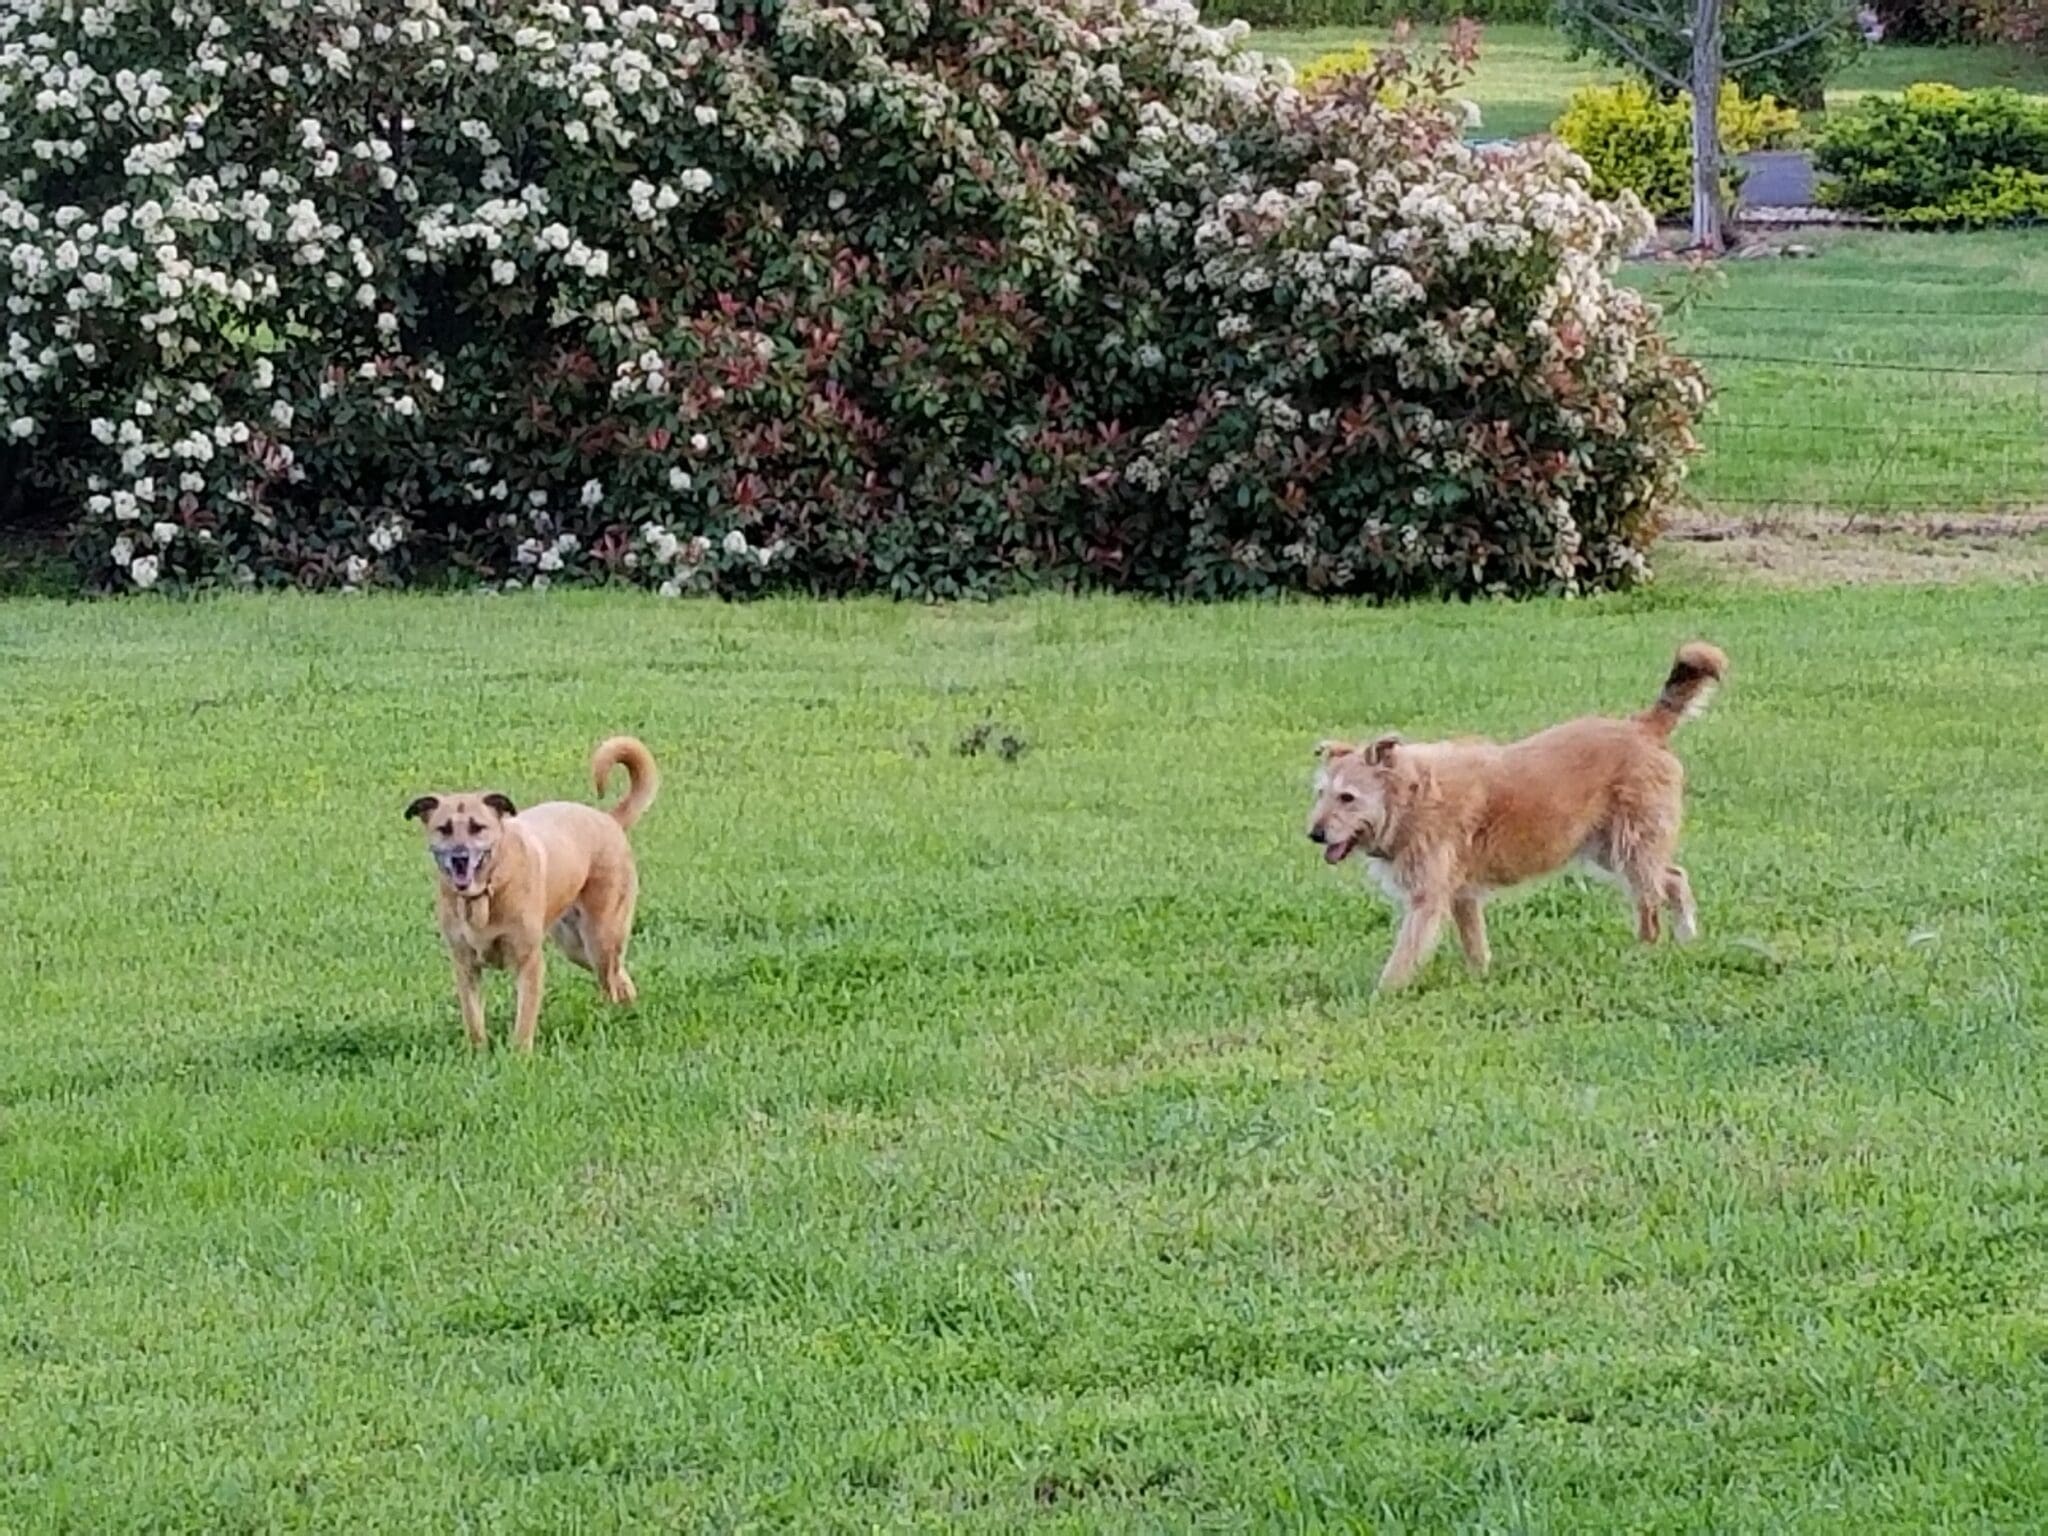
1446	824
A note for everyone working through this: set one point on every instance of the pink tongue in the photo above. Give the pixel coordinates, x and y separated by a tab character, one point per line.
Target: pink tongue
1333	853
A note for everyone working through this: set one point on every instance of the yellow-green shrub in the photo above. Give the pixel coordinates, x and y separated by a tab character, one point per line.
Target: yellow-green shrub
1331	71
1753	122
1325	68
1634	142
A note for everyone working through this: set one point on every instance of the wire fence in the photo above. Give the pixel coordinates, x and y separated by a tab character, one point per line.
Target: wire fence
1935	403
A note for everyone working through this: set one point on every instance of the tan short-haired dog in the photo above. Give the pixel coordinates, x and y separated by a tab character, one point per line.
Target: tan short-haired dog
510	877
1446	824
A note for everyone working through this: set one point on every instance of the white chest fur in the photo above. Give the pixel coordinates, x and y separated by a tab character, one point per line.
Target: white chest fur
1381	873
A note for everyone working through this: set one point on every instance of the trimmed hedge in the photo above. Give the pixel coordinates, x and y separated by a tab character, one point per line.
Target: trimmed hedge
1937	156
927	300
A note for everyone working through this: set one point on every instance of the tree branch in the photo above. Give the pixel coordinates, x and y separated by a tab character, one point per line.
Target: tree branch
1635	55
1670	26
1837	19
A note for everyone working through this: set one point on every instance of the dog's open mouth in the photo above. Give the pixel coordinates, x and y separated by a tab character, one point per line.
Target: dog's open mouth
1339	851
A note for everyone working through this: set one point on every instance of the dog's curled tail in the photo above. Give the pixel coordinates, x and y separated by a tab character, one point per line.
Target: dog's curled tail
642	777
1698	670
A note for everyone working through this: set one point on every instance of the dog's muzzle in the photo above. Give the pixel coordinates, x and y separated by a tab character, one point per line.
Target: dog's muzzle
1333	852
461	866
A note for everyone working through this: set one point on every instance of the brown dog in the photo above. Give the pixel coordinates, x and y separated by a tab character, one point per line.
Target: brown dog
1446	824
508	877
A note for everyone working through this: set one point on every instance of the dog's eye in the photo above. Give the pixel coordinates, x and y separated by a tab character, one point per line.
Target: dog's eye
476	829
1348	798
446	829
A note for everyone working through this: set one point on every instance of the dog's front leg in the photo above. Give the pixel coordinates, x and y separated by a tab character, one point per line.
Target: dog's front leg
1420	925
1470	913
532	972
469	993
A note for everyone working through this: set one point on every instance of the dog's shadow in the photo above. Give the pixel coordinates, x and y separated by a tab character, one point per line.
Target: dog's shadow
354	1048
293	1047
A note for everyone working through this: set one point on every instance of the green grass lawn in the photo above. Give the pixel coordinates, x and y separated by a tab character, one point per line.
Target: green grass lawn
1004	1142
1524	77
1892	373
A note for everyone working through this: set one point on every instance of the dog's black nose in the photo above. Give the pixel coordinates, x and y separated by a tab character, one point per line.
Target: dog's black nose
1318	835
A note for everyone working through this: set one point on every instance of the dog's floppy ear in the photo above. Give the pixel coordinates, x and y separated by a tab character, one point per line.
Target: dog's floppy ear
1381	751
502	804
422	808
1330	751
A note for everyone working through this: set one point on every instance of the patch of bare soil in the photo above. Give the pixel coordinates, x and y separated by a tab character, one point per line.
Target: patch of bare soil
1821	549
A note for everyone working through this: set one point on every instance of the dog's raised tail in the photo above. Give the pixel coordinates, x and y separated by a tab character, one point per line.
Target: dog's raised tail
1692	680
642	777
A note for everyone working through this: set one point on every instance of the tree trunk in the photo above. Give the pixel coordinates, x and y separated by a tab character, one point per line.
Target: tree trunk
1708	218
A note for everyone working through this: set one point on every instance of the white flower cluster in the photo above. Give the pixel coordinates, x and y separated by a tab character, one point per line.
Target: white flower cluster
548	555
684	564
650	204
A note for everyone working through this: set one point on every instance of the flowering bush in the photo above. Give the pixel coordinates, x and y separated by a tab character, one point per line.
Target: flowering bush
2024	22
1634	142
708	296
1931	21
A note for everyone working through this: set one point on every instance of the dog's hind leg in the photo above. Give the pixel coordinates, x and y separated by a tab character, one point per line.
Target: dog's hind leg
1643	874
1659	885
1637	848
1649	915
568	936
1685	916
608	925
611	974
1469	912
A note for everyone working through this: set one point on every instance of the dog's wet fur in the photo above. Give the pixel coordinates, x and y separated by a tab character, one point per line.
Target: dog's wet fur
1447	824
508	878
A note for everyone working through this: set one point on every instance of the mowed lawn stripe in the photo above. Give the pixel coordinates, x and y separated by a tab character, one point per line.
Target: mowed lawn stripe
1015	1140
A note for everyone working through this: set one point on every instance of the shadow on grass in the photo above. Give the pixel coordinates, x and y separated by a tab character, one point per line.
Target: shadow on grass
352	1049
348	1050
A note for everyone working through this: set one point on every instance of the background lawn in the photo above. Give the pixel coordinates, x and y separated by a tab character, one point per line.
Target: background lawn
1893	373
1000	1141
1524	77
